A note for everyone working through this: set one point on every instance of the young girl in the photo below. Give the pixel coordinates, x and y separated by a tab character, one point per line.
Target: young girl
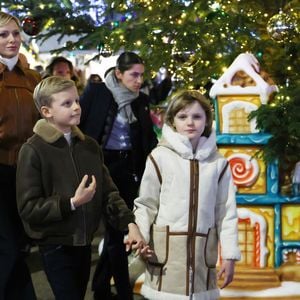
187	205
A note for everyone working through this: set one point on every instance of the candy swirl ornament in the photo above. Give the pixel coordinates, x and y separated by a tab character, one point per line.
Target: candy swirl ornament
244	168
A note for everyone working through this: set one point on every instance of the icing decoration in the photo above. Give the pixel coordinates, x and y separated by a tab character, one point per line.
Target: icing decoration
244	168
286	252
228	108
260	226
248	63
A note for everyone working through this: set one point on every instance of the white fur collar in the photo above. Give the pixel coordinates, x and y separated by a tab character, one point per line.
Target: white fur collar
9	62
182	145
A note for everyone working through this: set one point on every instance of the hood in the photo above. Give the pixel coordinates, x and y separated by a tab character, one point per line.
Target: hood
50	134
181	144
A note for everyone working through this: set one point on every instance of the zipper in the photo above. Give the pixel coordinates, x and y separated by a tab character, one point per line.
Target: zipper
194	178
18	116
82	207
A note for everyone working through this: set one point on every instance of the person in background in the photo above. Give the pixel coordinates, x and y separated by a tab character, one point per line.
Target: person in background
60	66
61	210
161	86
95	78
117	115
17	118
186	206
39	68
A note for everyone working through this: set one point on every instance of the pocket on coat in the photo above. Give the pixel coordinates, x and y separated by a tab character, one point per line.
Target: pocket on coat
211	248
160	244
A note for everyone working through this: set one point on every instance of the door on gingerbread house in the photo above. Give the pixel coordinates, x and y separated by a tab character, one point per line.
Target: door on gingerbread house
252	239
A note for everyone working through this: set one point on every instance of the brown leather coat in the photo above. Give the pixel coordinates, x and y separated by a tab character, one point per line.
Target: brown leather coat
18	113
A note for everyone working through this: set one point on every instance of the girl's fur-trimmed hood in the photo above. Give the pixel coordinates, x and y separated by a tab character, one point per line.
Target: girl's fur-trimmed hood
181	144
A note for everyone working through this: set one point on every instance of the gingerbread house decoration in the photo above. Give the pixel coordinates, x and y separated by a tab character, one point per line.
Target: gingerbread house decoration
240	90
269	232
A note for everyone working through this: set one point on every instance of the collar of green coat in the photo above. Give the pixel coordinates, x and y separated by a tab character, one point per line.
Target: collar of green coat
50	134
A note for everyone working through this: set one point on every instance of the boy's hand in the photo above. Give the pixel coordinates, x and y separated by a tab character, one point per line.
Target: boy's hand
136	242
227	269
84	193
134	239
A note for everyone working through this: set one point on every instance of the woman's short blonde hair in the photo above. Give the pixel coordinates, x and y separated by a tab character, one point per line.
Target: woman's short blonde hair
6	18
44	91
184	98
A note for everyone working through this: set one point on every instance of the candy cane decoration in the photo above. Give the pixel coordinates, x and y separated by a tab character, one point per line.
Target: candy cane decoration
298	256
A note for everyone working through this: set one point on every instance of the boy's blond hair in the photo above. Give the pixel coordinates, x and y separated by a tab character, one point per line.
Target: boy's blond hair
181	99
6	18
44	91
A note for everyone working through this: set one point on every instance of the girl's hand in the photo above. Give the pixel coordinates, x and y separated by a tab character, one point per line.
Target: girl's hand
146	252
227	269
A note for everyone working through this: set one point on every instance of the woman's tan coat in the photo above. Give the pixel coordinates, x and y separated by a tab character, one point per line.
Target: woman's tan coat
18	113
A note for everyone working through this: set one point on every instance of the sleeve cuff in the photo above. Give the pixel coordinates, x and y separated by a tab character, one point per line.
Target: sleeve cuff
72	204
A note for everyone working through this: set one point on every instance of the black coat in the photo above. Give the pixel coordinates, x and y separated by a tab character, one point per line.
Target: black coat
99	111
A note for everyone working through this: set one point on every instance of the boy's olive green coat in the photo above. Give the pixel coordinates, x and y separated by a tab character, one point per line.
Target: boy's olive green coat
48	174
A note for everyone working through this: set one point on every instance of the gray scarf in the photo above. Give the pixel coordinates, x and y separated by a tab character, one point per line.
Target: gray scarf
122	96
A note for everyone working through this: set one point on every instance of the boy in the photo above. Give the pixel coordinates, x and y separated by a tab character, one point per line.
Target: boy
63	189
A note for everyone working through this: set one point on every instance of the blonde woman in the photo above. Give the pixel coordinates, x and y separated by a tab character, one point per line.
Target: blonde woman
17	117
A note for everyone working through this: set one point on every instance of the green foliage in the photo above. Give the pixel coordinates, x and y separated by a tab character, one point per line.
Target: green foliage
282	120
193	39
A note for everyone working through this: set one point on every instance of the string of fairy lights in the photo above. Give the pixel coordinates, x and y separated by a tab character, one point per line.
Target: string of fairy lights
180	31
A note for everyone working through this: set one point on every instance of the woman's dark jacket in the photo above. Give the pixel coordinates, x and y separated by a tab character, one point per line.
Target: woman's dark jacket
99	111
48	174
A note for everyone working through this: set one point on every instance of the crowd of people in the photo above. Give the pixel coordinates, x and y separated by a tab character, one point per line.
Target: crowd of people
75	156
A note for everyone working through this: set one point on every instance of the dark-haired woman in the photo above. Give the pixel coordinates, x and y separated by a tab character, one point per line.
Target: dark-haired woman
116	114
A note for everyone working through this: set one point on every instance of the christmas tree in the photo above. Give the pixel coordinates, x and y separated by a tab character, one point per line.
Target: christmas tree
194	39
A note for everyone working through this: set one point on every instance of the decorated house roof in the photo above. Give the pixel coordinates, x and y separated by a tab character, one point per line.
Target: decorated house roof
244	77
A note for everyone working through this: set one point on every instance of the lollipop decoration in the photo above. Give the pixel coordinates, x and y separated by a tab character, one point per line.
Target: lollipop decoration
245	169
